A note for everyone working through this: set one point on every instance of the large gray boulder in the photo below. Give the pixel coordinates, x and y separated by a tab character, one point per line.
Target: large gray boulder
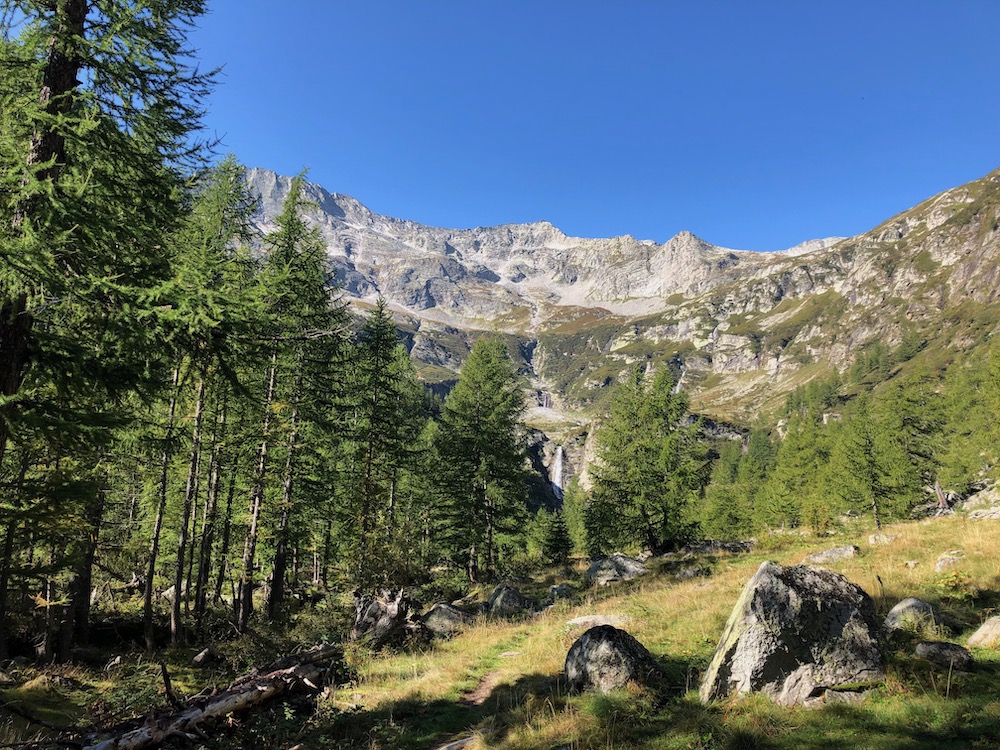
794	633
911	614
605	658
444	619
507	601
987	636
833	554
613	569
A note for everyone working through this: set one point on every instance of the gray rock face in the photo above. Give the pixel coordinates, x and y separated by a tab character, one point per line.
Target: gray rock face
988	634
945	655
834	554
506	601
794	633
613	569
444	619
605	658
559	591
911	613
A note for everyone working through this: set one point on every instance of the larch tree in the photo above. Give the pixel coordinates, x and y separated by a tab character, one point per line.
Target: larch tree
479	456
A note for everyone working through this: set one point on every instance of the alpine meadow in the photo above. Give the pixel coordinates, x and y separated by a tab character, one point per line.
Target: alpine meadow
279	471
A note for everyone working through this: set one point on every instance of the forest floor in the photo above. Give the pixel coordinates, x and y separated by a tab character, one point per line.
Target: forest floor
499	683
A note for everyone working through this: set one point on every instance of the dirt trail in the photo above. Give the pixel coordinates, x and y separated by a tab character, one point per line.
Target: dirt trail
483	690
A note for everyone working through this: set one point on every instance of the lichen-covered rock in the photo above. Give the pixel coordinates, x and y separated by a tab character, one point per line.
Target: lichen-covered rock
605	658
911	614
834	554
948	560
945	655
794	633
444	619
613	569
506	601
988	634
877	540
985	514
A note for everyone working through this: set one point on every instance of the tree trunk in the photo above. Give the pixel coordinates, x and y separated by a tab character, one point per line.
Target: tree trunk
277	594
210	513
154	544
8	554
190	495
227	531
81	577
245	594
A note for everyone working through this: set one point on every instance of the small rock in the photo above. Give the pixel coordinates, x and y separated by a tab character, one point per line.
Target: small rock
509	654
948	560
988	634
986	514
710	546
834	554
559	591
876	540
113	662
911	564
507	601
946	655
606	658
590	621
206	656
910	614
444	619
686	574
613	569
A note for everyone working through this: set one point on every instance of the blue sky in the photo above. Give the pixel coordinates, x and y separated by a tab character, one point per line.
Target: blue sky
755	125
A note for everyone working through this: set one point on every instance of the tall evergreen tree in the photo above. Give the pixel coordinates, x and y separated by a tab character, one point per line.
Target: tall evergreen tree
652	465
480	458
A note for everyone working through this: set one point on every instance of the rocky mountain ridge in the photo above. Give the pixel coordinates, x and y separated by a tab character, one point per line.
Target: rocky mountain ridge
744	327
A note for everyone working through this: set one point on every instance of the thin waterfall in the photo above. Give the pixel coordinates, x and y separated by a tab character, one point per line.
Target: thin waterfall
556	473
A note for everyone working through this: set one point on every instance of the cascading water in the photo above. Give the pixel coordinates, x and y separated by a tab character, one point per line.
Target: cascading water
556	474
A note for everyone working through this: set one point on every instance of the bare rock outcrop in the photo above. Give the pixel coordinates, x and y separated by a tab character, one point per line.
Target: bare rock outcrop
606	658
794	633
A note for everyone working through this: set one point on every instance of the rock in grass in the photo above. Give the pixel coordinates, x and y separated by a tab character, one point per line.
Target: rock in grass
794	633
507	601
444	619
613	569
945	655
948	559
605	658
834	554
985	514
911	614
877	540
988	634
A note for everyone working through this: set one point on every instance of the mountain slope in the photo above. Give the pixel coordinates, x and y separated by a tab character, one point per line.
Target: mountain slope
744	327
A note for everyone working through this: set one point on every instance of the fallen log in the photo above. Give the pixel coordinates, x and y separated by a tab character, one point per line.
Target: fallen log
302	673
